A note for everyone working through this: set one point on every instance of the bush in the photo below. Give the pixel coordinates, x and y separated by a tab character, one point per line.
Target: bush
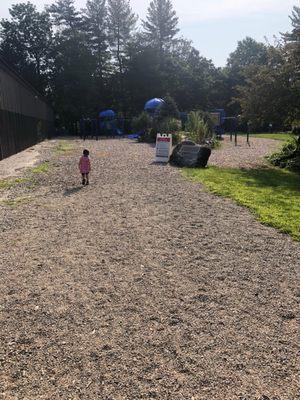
198	130
289	156
169	125
142	123
177	137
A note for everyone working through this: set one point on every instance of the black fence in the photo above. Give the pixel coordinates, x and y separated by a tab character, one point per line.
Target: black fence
25	117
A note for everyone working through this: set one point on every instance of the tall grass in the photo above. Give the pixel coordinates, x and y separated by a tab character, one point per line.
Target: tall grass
198	129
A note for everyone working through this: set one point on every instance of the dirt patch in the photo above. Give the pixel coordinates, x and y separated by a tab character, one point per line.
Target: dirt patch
143	286
17	164
243	155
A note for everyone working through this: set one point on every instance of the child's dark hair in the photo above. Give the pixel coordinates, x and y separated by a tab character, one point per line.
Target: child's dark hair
86	153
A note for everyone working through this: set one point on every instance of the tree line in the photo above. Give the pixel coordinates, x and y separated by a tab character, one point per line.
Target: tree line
103	56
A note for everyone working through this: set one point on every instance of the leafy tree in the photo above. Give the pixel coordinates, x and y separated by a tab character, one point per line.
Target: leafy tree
169	108
266	96
26	40
248	52
161	25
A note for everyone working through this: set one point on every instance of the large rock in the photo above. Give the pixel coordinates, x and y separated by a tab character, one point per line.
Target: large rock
189	154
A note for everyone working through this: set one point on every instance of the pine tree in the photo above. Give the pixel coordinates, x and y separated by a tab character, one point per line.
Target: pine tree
65	17
293	38
160	27
95	26
121	24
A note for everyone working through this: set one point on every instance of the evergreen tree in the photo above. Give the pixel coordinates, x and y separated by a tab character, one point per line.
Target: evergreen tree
292	39
294	36
65	17
95	26
160	27
121	24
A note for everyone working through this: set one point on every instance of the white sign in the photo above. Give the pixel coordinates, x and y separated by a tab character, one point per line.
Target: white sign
163	147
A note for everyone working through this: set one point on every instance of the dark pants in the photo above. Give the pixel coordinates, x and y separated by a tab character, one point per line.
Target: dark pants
85	177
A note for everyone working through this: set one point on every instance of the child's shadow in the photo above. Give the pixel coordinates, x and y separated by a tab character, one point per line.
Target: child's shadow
69	192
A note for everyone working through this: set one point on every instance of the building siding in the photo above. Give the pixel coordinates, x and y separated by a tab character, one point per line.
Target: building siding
25	117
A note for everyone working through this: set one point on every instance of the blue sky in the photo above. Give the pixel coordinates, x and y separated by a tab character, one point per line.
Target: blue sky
215	26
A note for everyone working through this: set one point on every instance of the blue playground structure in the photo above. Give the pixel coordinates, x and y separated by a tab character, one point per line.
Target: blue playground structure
153	106
109	124
219	117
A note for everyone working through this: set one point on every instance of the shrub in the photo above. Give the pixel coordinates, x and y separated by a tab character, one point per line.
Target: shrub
169	125
198	130
142	123
289	156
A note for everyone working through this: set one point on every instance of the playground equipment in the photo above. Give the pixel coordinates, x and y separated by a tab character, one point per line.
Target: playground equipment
153	106
108	123
218	116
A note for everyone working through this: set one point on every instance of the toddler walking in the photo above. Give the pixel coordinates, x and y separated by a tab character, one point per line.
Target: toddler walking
85	167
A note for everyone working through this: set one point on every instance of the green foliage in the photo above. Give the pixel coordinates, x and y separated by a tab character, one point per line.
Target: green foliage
26	42
142	122
95	26
275	136
198	130
94	58
177	137
266	96
161	24
169	109
289	156
169	125
65	17
121	24
272	194
248	52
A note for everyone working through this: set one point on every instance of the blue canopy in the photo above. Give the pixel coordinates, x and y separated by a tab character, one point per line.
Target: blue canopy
107	114
153	104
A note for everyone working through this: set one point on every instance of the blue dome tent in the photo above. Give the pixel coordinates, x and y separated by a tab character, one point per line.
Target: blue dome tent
154	105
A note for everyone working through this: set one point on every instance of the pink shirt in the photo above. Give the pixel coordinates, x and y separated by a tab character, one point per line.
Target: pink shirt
84	165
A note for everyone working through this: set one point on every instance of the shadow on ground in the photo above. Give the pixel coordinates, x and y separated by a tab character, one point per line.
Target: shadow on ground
74	190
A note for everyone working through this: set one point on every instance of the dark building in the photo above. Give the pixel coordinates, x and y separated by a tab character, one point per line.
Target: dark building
25	117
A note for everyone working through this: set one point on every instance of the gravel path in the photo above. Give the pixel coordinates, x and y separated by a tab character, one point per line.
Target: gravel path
243	155
142	286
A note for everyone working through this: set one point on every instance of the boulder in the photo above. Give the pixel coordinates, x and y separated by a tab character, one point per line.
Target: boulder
189	154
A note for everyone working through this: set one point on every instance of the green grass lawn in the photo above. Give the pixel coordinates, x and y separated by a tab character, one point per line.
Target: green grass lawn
272	194
284	136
